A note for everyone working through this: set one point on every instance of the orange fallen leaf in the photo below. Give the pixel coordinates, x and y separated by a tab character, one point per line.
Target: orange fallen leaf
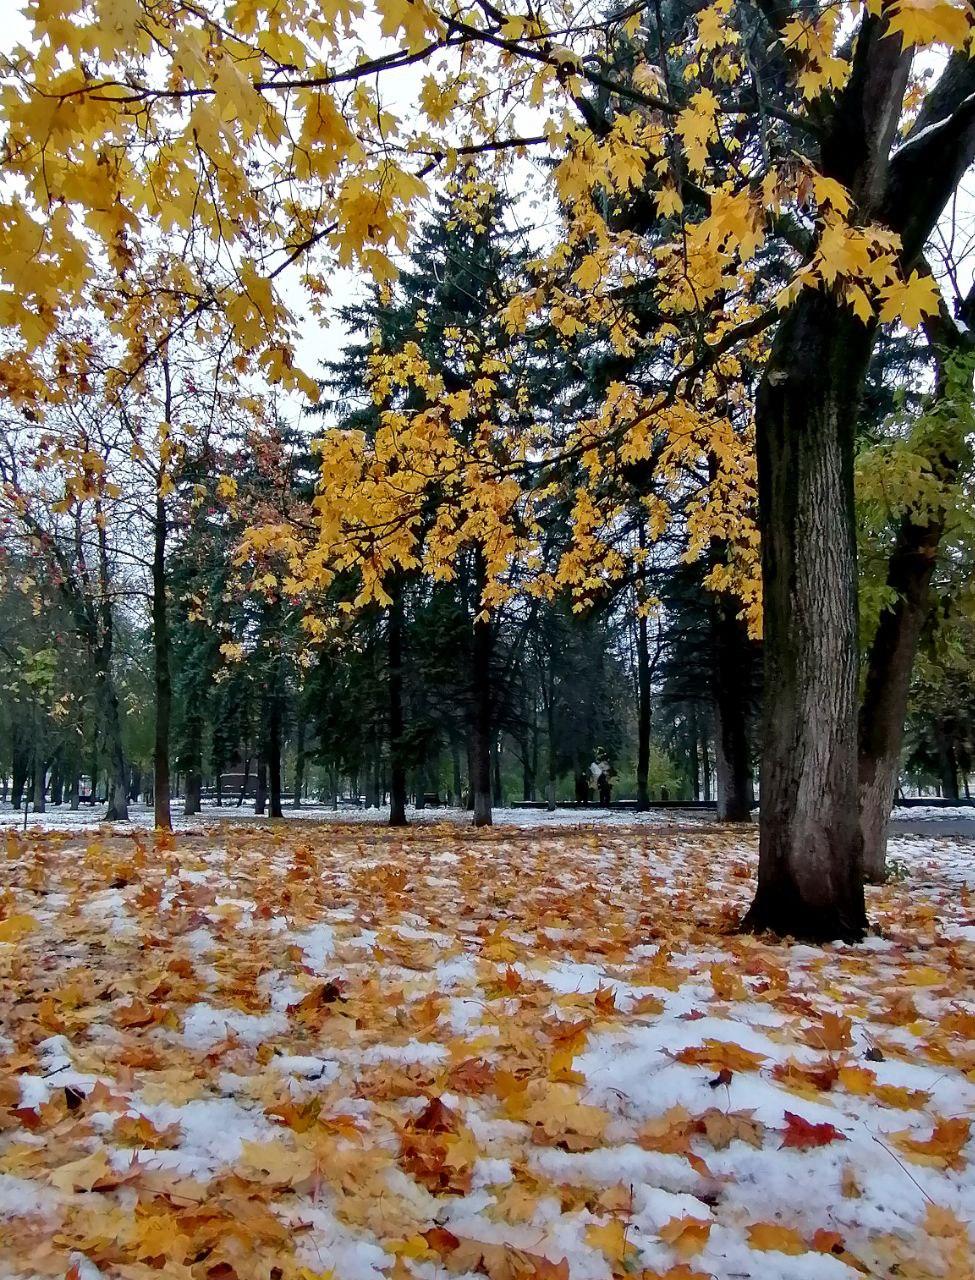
942	1149
772	1237
686	1236
721	1053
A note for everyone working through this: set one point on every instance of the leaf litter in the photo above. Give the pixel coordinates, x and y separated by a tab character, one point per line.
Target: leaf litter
292	1052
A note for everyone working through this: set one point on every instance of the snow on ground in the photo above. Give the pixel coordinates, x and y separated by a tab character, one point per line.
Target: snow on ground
297	1050
59	817
945	813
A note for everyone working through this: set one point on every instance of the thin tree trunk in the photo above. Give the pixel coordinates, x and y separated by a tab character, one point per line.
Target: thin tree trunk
694	755
162	815
20	768
891	658
643	715
118	774
245	781
194	764
481	722
481	702
397	761
550	727
732	672
947	763
458	779
497	794
705	765
40	781
274	748
299	778
260	790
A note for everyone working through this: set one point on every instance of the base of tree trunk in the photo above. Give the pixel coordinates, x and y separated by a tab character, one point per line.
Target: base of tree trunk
734	814
117	812
782	911
482	810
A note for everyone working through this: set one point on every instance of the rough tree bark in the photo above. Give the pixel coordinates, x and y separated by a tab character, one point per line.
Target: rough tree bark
891	656
810	881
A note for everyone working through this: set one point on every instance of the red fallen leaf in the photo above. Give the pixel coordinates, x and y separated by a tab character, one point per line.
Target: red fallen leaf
511	980
441	1240
29	1117
693	1015
827	1241
437	1118
724	1076
802	1134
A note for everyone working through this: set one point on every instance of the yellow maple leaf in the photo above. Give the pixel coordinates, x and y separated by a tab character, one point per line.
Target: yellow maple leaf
926	22
610	1238
909	301
772	1237
16	927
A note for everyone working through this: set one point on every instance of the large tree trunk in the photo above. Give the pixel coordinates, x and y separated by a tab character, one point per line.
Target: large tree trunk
397	761
810	866
731	689
162	815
